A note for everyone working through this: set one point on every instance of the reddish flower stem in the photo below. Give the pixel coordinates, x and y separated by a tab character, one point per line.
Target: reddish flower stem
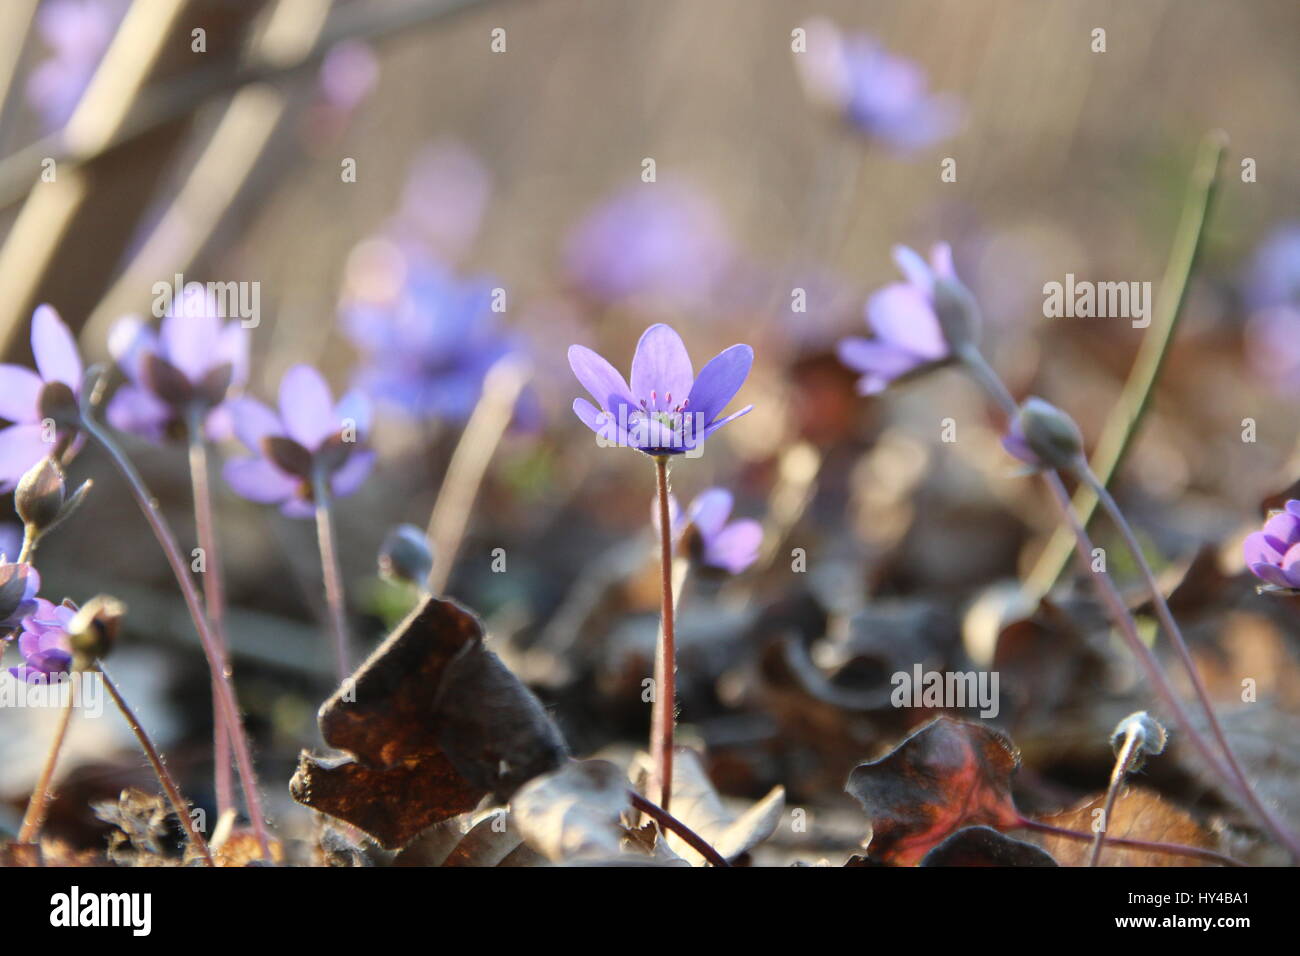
663	713
667	821
214	601
211	650
1174	849
34	818
179	806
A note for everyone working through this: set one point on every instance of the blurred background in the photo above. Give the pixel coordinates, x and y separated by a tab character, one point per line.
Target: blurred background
364	160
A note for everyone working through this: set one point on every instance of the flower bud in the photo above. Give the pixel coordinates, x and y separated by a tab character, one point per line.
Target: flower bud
405	555
958	313
93	631
40	495
1045	436
1149	733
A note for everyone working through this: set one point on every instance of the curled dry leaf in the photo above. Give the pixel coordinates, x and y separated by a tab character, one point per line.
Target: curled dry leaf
948	775
431	724
574	813
1138	814
984	846
696	803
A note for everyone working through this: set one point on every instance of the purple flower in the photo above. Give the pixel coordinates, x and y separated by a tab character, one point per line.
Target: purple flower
1273	293
187	367
28	398
18	586
44	644
446	195
667	410
77	33
1273	554
427	337
903	317
878	93
710	539
348	73
663	243
312	436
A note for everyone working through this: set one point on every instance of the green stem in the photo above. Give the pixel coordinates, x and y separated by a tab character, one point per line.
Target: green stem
663	712
1122	424
333	575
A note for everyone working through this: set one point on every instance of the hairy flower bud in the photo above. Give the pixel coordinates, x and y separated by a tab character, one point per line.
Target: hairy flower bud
1044	436
93	631
405	555
41	498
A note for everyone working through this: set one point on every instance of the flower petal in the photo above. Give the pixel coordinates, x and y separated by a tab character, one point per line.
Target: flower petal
233	347
1291	566
55	349
21	447
258	480
307	407
139	412
736	547
598	377
901	315
353	473
1271	574
354	407
20	393
917	270
710	510
714	426
719	381
662	366
252	421
192	341
877	359
604	424
1258	549
128	340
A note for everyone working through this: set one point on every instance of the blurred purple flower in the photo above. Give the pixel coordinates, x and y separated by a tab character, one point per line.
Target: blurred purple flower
348	73
646	416
878	93
1273	554
1272	291
11	539
426	337
188	367
26	399
446	194
18	586
664	243
311	435
709	539
77	33
44	644
902	315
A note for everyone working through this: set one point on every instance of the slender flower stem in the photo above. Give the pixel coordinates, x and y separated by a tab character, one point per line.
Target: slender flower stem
1150	846
34	818
179	806
167	541
329	560
215	603
667	821
1123	763
663	712
1275	825
1106	589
